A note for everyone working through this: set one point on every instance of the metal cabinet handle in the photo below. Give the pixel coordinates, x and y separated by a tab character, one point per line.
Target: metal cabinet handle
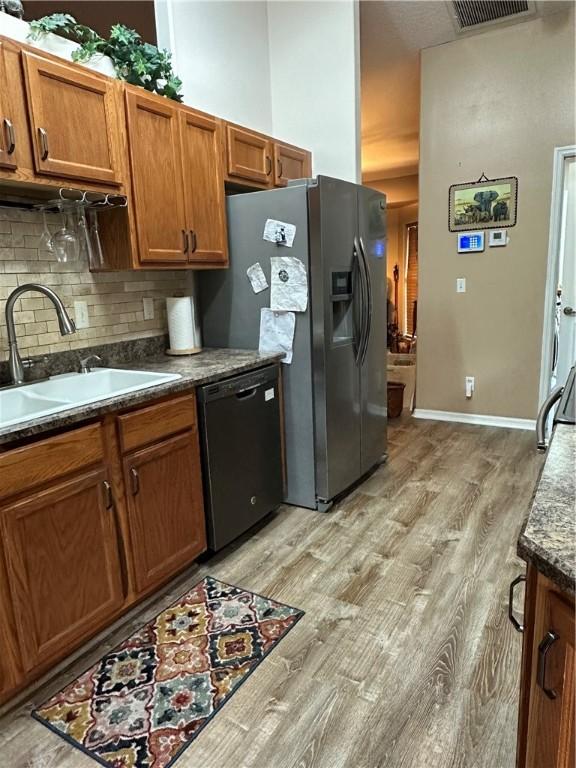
11	136
569	311
268	165
135	481
194	241
43	143
108	498
515	623
547	643
185	241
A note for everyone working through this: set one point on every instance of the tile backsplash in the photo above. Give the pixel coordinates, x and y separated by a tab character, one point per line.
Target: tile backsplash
114	299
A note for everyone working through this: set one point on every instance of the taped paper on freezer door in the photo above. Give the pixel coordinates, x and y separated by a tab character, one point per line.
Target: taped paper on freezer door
277	333
289	284
279	232
257	278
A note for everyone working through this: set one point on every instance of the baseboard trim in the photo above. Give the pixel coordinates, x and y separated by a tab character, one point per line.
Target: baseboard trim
476	418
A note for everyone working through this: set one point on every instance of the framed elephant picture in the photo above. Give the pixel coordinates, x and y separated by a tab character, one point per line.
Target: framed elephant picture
485	204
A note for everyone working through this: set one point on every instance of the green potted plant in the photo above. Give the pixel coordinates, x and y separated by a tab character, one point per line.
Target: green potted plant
134	61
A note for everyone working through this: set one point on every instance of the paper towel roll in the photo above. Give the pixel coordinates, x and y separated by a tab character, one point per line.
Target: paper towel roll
183	325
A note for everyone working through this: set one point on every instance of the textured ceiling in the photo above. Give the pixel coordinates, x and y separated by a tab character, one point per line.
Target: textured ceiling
392	33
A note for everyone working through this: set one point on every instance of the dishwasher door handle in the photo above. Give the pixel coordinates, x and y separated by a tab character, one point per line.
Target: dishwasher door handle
246	394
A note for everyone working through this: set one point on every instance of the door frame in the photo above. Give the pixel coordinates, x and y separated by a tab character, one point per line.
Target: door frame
554	237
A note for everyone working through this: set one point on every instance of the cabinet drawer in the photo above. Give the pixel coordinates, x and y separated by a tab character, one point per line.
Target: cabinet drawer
147	425
25	468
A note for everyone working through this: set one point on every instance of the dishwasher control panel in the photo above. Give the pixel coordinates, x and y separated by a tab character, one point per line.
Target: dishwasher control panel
238	384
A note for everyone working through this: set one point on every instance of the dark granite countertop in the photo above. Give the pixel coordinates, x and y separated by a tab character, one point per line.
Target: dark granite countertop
548	538
207	366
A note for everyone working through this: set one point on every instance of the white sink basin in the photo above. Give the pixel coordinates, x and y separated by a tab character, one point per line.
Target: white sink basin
71	390
18	405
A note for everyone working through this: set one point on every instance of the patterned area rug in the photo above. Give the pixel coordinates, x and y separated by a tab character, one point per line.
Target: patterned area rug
142	704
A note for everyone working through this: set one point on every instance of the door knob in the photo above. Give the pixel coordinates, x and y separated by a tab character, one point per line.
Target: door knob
569	311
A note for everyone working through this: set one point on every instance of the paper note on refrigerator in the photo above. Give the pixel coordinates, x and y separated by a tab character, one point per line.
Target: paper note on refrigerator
277	333
289	284
257	278
279	232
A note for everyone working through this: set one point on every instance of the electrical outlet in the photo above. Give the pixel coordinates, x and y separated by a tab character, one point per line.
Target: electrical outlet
469	386
460	285
81	319
148	305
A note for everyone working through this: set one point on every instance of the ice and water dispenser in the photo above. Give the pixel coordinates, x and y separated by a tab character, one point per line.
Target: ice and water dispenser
342	307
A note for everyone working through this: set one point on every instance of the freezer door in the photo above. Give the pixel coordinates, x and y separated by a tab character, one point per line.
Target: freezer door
332	229
373	391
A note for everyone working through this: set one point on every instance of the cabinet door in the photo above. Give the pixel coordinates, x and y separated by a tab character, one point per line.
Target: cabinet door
290	163
204	187
63	565
156	178
552	710
7	132
248	155
165	508
73	121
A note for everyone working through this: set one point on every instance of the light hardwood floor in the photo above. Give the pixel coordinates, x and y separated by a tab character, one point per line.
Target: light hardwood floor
405	658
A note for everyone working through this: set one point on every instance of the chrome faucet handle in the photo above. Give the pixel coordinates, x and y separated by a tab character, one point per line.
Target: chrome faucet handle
85	366
28	362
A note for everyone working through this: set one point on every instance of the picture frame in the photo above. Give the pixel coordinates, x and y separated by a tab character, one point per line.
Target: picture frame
483	204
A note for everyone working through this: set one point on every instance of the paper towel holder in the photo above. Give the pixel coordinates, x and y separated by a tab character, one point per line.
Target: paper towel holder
190	342
177	352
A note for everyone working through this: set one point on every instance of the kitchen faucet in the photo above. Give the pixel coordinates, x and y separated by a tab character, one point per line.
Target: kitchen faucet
64	321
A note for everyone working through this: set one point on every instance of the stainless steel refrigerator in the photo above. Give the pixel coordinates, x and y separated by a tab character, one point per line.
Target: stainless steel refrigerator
335	387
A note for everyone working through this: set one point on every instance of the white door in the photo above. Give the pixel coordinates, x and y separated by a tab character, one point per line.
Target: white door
566	353
559	332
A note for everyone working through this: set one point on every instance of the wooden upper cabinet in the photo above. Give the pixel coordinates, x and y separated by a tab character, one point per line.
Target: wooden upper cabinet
290	163
154	140
165	509
8	157
248	155
63	565
74	121
203	175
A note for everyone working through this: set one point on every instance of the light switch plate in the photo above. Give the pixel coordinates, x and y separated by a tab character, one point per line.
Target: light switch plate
148	305
460	285
81	319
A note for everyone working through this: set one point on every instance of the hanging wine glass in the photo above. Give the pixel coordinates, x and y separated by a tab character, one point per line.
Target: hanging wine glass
97	252
65	241
84	239
45	243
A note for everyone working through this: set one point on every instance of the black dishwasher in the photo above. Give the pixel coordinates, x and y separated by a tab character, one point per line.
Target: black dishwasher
241	452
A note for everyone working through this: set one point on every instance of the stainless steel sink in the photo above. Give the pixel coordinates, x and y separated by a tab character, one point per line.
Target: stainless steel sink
71	390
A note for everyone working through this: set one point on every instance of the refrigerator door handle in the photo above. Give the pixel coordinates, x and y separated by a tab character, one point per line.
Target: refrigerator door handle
363	301
368	294
357	305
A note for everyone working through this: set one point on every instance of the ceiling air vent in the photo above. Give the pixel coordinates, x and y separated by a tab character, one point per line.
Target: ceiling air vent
470	13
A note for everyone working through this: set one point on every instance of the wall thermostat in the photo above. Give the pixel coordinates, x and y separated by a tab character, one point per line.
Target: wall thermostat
498	237
470	242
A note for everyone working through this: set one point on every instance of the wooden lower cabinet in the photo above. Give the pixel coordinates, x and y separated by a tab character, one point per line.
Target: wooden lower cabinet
164	492
547	701
63	566
91	520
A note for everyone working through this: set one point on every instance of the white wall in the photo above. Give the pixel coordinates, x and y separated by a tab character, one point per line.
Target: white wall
220	51
289	68
315	84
